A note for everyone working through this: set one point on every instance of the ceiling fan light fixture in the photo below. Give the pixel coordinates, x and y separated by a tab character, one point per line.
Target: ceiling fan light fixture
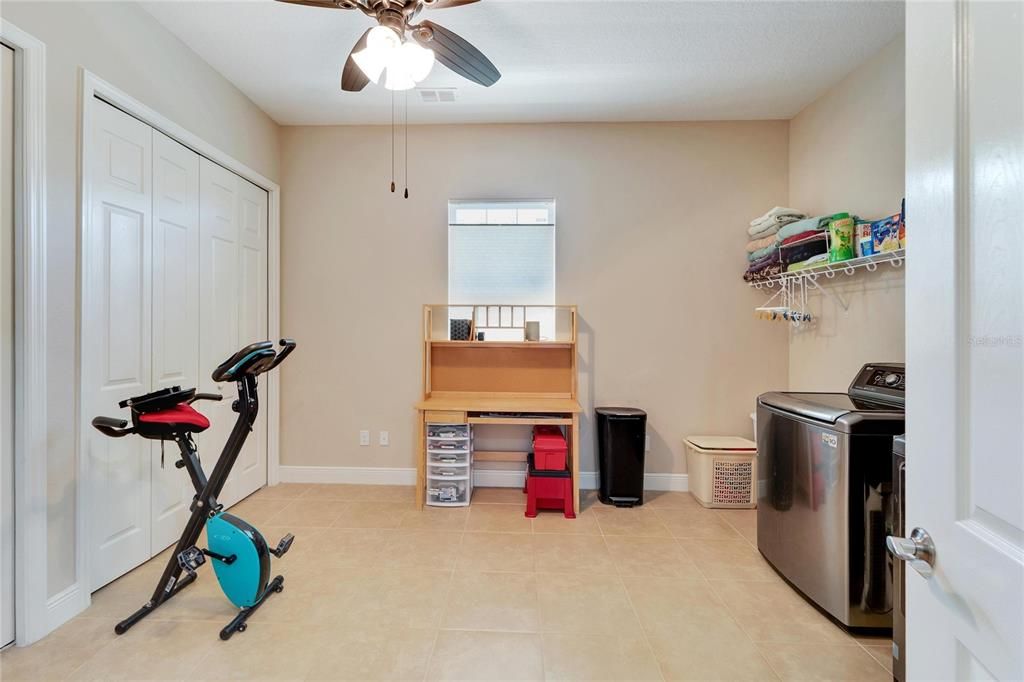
382	45
415	60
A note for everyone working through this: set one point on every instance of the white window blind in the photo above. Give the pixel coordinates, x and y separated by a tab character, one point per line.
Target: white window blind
502	252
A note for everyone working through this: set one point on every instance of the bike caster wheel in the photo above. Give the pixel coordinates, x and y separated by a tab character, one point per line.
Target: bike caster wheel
226	633
279	589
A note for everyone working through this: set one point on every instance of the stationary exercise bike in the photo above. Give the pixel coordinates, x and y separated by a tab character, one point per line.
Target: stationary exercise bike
240	555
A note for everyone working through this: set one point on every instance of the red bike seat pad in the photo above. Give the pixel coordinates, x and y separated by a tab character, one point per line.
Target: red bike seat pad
179	414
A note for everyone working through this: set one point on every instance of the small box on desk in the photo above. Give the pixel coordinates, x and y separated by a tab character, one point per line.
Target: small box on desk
550	450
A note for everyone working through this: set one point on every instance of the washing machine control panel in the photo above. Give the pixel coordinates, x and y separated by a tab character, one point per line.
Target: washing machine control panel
880	382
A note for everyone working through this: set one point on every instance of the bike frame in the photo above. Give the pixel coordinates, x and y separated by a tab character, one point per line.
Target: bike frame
204	504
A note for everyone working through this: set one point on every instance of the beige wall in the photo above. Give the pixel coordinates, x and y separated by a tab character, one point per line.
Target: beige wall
846	154
125	46
650	231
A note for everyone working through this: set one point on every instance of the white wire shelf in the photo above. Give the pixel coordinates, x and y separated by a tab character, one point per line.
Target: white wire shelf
826	270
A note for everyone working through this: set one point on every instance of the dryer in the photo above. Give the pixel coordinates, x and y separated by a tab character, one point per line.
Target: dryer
825	489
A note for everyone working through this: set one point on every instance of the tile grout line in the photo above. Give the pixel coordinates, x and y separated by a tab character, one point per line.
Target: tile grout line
739	624
437	631
632	606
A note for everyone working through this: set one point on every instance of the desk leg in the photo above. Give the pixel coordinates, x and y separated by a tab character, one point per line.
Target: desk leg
575	440
421	459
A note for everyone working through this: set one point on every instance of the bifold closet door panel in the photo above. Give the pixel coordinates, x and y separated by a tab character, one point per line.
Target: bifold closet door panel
232	309
175	317
250	472
116	338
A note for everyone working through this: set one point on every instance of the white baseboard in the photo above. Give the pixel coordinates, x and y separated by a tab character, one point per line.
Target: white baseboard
487	478
65	605
674	482
361	475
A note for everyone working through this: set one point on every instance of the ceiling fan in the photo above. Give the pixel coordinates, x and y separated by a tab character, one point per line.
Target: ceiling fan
385	52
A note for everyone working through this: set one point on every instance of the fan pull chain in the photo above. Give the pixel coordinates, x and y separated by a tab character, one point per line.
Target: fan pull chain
406	144
392	141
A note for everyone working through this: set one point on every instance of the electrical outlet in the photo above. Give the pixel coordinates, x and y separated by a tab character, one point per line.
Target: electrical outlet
385	439
364	438
647	442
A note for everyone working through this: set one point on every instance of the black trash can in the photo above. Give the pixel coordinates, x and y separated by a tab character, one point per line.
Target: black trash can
621	436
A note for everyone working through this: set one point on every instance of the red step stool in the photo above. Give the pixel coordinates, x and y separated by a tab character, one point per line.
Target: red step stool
547	489
550	450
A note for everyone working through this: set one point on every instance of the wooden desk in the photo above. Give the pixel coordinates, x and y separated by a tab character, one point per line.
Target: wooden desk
498	382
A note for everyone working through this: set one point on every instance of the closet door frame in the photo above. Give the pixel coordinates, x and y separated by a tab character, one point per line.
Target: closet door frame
34	613
93	88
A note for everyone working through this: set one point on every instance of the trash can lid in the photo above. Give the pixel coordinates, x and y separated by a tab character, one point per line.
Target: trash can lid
621	412
721	443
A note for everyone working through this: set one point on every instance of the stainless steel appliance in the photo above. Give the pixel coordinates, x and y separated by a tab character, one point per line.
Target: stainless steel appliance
825	470
899	529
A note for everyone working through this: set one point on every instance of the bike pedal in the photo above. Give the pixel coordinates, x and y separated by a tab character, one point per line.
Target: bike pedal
191	559
283	546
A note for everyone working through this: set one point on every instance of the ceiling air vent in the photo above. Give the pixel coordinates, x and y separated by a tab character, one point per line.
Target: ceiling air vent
437	95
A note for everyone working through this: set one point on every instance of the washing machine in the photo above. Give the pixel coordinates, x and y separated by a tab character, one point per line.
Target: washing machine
825	492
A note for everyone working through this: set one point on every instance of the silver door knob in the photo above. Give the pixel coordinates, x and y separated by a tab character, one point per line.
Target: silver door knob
918	550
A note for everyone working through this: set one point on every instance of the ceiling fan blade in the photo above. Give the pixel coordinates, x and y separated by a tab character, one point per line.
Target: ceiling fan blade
328	4
352	77
442	4
456	53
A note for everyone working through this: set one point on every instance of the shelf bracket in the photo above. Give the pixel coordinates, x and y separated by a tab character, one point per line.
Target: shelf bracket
840	301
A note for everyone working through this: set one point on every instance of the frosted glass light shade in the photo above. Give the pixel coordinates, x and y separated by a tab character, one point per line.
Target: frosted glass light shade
402	64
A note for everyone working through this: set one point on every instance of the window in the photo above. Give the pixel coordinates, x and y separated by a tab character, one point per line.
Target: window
502	252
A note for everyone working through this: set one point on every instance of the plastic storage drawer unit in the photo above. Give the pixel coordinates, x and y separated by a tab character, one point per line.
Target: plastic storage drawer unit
722	471
549	448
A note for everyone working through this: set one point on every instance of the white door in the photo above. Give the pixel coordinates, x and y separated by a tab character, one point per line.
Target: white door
175	317
250	472
232	221
6	345
116	338
965	325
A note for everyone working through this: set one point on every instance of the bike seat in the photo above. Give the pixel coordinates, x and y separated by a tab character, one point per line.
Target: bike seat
181	418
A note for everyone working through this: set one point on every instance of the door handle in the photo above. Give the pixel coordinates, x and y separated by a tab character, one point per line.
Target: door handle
918	550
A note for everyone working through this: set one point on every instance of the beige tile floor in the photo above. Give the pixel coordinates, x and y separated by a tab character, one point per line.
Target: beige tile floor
377	590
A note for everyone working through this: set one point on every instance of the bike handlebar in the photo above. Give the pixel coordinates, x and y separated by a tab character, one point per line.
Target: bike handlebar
111	426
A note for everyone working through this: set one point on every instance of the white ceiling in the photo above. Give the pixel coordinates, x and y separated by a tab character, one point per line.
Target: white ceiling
561	60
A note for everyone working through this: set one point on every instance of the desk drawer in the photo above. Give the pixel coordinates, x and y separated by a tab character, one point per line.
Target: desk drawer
448	493
457	432
447	457
454	472
438	417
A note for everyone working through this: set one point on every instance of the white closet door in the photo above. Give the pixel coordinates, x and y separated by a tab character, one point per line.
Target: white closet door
250	472
232	309
116	338
175	317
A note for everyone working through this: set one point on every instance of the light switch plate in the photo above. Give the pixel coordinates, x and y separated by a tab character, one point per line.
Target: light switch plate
385	438
364	437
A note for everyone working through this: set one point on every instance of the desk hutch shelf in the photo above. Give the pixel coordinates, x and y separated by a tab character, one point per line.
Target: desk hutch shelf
502	380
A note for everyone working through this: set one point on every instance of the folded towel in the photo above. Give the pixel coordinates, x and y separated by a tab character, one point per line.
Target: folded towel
809	263
764	273
766	231
796	227
756	244
777	216
804	250
761	253
802	235
775	213
771	259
